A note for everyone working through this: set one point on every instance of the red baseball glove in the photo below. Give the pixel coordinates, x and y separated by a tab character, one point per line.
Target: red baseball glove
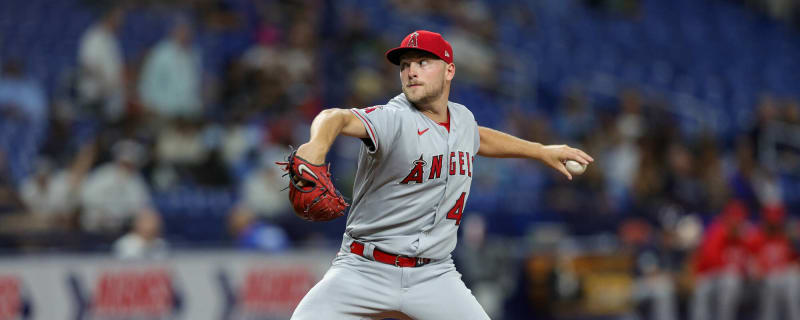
311	191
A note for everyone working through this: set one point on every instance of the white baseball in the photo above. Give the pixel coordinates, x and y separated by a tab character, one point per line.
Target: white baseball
575	167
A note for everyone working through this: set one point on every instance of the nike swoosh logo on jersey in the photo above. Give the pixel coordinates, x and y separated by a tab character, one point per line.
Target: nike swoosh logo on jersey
423	131
303	167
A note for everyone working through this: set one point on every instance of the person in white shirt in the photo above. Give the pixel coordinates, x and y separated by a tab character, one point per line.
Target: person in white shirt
261	189
52	194
116	191
171	80
35	188
102	78
143	241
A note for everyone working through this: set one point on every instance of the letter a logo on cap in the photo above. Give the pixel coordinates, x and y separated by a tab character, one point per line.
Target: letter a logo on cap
412	42
422	40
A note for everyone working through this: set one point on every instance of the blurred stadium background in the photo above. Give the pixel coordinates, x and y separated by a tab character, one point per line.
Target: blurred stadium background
137	142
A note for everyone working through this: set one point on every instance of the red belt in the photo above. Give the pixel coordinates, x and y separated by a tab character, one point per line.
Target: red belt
388	258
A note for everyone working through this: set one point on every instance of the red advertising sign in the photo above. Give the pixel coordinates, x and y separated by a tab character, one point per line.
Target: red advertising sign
275	290
133	293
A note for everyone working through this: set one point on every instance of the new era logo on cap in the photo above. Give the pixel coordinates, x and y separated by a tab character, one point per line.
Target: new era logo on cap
423	40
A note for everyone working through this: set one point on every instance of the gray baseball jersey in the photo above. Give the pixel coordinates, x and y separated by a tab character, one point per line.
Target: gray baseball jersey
412	182
413	179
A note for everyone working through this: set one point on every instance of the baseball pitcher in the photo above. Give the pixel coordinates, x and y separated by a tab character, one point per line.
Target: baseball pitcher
414	174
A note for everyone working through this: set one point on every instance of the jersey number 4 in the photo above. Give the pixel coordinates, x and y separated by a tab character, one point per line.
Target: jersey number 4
458	209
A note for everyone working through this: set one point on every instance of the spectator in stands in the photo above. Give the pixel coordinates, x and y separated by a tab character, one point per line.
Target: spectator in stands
261	190
281	64
776	266
34	187
116	191
20	96
682	187
650	178
751	181
188	151
102	80
171	81
144	239
179	146
260	80
654	290
624	154
263	197
53	194
239	141
720	265
709	167
251	233
298	57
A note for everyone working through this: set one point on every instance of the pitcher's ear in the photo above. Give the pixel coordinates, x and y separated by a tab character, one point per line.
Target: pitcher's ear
450	71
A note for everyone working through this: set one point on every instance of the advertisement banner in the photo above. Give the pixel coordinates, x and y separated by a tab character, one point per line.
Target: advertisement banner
224	285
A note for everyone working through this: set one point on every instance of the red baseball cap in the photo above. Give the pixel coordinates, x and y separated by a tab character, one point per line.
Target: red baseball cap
422	40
